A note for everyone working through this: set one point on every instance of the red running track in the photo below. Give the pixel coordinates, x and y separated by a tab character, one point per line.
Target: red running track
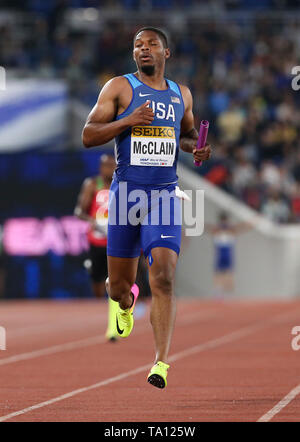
230	361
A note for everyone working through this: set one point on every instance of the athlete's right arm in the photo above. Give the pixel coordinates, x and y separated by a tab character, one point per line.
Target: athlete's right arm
100	126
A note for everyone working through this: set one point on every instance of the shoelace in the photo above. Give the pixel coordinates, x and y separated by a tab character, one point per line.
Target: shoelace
125	315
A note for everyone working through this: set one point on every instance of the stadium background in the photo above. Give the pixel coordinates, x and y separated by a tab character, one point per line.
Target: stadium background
237	58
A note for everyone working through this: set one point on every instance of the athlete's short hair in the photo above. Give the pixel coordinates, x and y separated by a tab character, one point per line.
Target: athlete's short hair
162	35
105	156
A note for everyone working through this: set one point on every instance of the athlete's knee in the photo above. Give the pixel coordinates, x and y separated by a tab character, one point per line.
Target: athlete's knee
163	281
119	289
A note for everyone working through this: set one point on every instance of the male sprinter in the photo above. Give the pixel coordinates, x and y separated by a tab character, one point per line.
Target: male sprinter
92	206
149	117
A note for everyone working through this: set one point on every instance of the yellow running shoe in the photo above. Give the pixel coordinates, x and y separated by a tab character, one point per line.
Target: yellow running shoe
124	318
111	331
158	375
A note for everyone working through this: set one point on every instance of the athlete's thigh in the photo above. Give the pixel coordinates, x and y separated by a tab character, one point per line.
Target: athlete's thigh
163	225
122	269
123	238
162	265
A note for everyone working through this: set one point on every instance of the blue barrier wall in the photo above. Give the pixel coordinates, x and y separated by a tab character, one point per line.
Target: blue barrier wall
41	189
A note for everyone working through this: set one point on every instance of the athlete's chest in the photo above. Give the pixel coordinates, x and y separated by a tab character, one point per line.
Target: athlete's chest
165	107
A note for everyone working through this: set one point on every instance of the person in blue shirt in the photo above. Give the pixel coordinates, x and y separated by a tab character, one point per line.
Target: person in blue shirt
150	117
224	235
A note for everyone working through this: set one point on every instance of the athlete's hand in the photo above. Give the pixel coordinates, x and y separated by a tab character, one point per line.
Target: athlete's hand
202	154
142	115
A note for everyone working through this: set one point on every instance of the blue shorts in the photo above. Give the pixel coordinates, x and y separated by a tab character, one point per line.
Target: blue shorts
142	217
224	258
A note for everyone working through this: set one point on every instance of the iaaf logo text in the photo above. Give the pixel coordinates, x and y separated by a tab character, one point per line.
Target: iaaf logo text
2	338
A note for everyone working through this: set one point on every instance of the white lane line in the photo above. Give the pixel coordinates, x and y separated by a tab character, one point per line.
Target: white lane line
231	337
57	326
75	392
94	340
281	404
237	334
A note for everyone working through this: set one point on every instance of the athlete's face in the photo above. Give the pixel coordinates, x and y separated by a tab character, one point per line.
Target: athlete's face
149	51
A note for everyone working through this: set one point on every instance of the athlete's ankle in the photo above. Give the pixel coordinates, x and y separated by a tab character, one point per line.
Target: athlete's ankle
127	305
132	295
163	360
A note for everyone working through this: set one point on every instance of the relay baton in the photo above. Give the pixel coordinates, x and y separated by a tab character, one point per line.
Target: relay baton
204	125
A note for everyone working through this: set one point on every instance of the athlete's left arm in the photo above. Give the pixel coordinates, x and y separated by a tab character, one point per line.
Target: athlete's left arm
188	133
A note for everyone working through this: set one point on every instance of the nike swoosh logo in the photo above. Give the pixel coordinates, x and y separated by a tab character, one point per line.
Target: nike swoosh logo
144	95
119	330
166	236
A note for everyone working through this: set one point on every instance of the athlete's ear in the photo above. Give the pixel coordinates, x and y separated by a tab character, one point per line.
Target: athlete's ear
167	53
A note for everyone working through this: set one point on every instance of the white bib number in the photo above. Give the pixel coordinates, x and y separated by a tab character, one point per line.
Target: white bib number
152	146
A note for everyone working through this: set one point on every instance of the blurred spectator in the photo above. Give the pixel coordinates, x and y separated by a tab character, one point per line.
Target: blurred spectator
239	75
244	174
275	207
270	175
231	122
218	99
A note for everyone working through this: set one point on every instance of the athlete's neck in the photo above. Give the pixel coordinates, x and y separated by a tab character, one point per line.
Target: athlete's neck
106	182
156	81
